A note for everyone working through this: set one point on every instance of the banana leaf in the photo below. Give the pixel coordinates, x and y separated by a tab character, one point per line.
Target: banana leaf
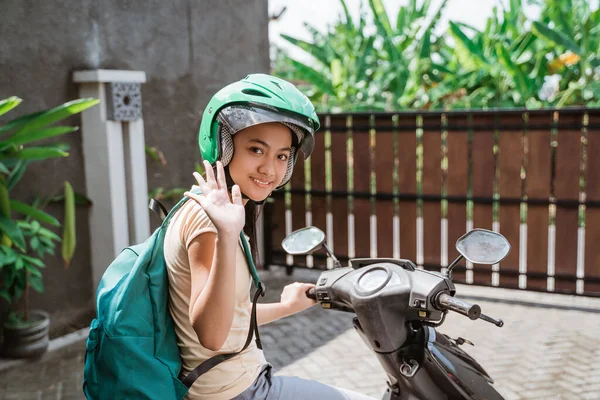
381	19
436	17
323	83
16	174
556	37
53	115
525	87
425	46
401	19
323	41
424	8
8	104
39	153
475	51
69	240
523	42
36	135
362	63
20	122
349	23
383	25
337	73
317	52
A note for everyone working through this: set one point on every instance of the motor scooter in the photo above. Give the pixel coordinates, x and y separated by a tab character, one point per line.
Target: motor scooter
398	308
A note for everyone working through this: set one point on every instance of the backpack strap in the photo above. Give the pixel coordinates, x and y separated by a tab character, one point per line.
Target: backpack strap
162	211
251	265
158	208
212	362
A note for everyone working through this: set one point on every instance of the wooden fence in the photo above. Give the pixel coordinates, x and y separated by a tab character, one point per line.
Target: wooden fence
407	185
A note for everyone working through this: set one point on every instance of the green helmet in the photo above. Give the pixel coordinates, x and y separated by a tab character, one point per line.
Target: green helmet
256	99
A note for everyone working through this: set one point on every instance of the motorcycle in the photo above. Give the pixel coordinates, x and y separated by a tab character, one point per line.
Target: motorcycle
398	308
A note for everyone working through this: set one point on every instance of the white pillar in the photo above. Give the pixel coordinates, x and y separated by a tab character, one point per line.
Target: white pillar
115	163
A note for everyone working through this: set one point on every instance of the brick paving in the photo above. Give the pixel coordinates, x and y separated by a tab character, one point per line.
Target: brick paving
58	375
540	353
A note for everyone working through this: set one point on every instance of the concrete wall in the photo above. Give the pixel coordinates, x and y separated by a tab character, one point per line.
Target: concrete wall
188	49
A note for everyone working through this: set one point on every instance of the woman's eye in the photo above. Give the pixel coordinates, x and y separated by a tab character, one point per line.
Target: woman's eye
283	157
256	150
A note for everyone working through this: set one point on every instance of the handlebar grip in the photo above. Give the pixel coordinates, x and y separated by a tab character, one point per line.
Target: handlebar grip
310	293
446	302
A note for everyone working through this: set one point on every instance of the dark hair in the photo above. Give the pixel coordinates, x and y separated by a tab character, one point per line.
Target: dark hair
252	213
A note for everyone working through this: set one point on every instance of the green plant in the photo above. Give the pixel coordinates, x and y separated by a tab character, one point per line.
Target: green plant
24	227
354	71
553	61
571	31
496	67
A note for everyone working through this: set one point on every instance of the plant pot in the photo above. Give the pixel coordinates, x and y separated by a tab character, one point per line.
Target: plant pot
27	339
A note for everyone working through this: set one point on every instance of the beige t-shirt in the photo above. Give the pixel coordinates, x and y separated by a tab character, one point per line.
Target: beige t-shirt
233	376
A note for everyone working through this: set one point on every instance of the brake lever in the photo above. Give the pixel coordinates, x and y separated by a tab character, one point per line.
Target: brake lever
498	322
460	341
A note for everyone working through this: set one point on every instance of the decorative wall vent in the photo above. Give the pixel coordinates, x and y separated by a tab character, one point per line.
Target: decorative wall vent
124	101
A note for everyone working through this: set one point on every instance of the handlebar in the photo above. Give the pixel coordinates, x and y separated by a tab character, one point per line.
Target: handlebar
444	301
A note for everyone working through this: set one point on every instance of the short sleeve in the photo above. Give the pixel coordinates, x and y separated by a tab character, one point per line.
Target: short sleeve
194	222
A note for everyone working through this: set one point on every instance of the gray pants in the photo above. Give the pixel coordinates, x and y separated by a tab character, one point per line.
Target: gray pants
270	387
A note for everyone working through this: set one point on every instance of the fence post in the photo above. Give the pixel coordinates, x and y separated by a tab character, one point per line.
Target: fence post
115	163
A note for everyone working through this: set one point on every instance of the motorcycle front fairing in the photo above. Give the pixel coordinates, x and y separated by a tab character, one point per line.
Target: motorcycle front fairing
392	300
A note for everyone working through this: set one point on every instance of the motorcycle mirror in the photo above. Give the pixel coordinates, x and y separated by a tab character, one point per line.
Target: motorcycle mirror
481	246
303	241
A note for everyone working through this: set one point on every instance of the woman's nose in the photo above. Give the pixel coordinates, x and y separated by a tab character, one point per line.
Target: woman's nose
267	168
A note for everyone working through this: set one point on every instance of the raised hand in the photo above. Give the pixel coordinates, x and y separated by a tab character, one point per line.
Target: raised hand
227	214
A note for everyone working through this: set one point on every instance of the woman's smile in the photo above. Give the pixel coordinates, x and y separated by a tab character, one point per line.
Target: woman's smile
262	183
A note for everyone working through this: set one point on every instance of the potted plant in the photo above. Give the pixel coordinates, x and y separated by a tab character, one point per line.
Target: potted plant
25	237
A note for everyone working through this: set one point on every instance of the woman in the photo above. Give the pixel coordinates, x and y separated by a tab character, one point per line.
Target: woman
252	132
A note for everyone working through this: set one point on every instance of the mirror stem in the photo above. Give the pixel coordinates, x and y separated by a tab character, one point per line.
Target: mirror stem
336	262
451	266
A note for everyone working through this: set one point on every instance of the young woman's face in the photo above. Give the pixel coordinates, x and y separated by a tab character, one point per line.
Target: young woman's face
260	159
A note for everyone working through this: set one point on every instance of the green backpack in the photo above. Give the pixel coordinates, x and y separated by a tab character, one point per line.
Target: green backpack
131	350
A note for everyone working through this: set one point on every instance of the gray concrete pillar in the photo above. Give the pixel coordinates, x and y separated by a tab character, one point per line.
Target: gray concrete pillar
115	163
